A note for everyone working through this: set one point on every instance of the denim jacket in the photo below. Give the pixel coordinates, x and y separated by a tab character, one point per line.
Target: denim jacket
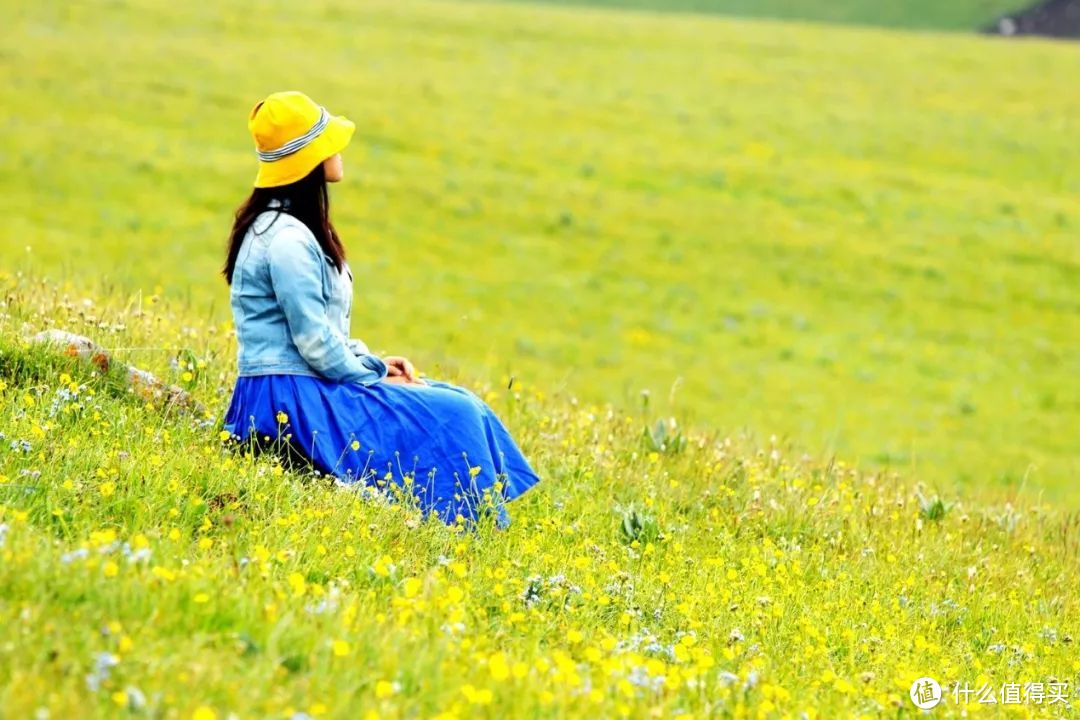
292	307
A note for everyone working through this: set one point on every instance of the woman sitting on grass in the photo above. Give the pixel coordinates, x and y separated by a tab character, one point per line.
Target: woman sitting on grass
301	379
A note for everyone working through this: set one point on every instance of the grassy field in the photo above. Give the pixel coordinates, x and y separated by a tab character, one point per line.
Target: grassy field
915	14
147	571
861	240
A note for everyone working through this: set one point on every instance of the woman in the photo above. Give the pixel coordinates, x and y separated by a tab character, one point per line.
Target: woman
303	382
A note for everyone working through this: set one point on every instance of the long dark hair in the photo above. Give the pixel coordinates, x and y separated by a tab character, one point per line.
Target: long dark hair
306	199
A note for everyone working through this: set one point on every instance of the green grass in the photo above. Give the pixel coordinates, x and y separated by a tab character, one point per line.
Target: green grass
860	240
146	571
912	14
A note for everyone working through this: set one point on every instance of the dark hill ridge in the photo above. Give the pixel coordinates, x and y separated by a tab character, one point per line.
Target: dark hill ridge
1053	18
952	15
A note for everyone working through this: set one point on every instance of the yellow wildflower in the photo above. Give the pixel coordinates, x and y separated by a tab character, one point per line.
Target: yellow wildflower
498	667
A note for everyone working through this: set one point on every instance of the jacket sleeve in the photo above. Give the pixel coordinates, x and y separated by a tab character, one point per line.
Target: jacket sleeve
357	346
296	273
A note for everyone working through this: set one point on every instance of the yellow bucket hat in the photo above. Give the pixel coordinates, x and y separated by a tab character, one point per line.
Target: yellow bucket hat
293	135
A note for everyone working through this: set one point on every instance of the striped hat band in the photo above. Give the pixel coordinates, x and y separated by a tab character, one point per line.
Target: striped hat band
297	143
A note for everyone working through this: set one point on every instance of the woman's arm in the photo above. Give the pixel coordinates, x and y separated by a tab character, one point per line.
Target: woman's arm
296	268
357	346
398	369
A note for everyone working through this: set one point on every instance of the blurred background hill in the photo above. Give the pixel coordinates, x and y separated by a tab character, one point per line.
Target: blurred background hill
1009	17
860	238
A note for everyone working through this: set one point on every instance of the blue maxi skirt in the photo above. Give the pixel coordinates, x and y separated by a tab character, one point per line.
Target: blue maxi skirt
440	441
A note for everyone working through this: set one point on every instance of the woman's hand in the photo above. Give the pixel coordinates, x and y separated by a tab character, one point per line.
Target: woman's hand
399	370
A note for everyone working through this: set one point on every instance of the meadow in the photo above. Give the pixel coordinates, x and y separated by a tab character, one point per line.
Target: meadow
147	570
786	316
860	240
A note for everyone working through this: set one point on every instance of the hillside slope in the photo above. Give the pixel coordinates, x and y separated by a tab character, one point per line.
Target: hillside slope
147	571
861	240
